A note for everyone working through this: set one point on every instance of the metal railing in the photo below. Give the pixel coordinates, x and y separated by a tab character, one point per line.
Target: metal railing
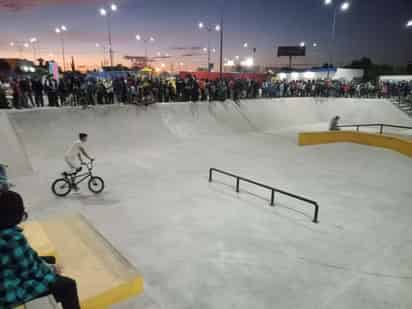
380	125
273	190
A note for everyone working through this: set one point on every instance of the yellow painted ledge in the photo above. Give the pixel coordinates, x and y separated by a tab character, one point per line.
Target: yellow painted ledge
396	143
104	277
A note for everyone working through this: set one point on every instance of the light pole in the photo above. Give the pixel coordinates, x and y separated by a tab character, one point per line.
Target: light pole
343	7
103	47
209	29
409	26
107	12
146	41
60	31
33	42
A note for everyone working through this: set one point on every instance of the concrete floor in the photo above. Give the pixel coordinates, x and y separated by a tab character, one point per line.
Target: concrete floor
201	245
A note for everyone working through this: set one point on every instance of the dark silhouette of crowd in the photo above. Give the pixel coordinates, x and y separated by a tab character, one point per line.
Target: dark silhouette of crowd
82	91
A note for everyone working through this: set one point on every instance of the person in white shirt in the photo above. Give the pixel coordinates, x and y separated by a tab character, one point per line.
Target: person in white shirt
74	154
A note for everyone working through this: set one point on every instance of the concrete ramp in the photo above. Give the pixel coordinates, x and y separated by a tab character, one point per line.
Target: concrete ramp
118	130
279	114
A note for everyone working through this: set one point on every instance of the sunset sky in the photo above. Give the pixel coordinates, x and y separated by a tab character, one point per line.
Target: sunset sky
370	28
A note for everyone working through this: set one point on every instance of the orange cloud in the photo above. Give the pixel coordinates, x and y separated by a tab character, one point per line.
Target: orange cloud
18	5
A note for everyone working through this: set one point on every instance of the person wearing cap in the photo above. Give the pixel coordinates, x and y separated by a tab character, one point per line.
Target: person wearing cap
24	276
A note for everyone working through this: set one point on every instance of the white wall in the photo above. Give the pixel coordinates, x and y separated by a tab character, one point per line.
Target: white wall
395	78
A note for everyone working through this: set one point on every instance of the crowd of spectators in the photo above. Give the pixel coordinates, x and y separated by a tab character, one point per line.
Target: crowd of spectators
73	91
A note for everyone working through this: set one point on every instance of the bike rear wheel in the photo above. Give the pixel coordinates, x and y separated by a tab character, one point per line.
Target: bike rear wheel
96	184
61	187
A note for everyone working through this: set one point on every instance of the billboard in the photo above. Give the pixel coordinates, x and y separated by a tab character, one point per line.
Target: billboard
291	51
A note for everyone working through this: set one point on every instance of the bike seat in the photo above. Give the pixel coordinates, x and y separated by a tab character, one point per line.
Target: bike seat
66	174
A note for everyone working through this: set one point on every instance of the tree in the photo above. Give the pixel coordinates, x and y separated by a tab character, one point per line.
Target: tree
372	71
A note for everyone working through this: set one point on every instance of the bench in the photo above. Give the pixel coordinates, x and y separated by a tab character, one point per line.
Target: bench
104	277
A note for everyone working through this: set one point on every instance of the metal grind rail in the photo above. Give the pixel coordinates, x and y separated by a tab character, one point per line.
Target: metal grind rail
273	190
380	125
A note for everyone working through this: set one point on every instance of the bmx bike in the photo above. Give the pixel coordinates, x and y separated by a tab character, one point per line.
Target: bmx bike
63	186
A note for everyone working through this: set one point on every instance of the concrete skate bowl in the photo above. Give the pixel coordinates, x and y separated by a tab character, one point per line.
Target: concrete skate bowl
201	245
47	133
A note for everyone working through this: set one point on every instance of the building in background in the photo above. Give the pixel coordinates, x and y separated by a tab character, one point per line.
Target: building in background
321	73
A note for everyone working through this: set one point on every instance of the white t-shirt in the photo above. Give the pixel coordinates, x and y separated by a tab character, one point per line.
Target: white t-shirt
74	150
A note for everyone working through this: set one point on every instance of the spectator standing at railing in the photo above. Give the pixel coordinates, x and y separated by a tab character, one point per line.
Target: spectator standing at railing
109	91
50	86
17	98
24	276
38	92
62	91
3	98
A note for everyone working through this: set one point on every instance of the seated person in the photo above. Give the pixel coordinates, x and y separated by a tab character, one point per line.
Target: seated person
24	276
334	124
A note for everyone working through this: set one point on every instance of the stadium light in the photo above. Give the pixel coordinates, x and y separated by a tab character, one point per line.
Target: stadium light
146	41
60	31
107	12
302	44
345	6
209	28
409	24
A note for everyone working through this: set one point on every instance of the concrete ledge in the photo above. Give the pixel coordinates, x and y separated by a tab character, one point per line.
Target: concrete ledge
104	277
399	144
41	303
37	238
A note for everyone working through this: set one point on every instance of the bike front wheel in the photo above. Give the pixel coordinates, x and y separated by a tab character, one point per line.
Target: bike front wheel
61	187
96	184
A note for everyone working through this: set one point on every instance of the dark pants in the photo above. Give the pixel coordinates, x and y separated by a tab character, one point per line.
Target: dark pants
64	290
39	100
